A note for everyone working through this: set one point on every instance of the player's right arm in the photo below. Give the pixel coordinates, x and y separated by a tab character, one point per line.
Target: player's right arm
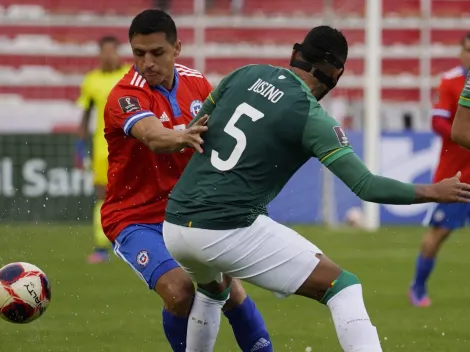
442	109
326	141
461	125
130	110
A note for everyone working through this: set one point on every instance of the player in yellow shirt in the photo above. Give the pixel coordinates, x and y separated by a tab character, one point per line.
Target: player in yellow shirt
93	95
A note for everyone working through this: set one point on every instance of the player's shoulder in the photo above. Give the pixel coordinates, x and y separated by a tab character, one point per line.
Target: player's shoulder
188	73
132	81
453	74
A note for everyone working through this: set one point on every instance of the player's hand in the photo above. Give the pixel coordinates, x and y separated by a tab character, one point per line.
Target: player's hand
451	190
192	135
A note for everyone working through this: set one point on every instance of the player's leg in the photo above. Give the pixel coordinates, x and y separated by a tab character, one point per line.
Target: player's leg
247	323
445	219
204	318
341	292
142	247
276	258
101	243
246	320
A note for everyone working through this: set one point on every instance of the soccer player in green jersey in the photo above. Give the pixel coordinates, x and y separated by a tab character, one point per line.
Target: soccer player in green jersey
461	125
265	123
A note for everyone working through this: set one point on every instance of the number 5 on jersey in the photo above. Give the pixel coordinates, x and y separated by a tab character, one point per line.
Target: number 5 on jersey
240	137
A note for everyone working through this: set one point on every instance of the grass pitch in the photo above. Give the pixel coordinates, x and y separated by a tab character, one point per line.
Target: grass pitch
101	308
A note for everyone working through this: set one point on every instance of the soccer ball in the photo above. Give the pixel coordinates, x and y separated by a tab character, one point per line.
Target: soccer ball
25	292
354	217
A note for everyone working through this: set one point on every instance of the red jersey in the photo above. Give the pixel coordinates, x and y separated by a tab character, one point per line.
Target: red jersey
453	157
139	181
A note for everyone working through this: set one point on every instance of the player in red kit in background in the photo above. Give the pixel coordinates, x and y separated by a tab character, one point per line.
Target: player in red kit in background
444	218
149	146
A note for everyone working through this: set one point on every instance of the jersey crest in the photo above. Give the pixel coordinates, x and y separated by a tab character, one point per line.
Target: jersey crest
195	107
342	139
129	104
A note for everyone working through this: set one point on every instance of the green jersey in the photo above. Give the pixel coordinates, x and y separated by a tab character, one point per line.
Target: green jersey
264	125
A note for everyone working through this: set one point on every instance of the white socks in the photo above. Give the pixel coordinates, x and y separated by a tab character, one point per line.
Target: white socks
203	324
353	326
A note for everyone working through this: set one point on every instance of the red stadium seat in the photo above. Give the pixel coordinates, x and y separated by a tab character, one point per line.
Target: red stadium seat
44	93
401	36
305	7
75	34
119	7
395	8
441	65
254	35
350	8
64	64
448	36
401	8
450	8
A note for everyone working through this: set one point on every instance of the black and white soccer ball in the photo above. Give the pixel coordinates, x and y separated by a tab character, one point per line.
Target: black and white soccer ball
25	292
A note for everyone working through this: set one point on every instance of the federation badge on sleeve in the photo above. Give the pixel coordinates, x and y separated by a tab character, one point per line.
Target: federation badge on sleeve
343	140
143	258
129	104
195	107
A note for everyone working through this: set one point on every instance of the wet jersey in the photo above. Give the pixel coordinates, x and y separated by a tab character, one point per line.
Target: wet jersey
265	124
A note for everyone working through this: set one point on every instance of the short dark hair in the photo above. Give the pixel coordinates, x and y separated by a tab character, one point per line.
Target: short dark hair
465	38
108	39
326	39
154	21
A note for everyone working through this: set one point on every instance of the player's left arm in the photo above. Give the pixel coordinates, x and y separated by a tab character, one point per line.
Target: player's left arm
442	109
325	139
461	126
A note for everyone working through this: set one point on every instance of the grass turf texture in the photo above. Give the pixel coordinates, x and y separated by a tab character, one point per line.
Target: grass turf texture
106	307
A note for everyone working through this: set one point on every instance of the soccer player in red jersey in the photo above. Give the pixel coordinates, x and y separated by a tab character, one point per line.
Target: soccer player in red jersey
444	218
149	146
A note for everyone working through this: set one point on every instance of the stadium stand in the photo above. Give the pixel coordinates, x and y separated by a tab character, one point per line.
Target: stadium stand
47	45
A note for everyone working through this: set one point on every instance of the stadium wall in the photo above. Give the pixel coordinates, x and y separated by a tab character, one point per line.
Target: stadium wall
38	181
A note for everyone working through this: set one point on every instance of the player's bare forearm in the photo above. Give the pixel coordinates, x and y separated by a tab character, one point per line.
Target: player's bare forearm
159	139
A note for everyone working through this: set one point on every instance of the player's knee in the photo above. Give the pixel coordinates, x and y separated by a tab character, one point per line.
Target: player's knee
177	291
344	280
237	295
439	234
433	240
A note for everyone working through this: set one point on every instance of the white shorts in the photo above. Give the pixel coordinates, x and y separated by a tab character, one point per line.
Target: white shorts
266	254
